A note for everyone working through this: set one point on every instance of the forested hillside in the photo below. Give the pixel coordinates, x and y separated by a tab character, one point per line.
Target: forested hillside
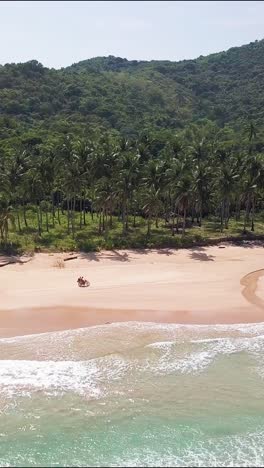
115	153
130	96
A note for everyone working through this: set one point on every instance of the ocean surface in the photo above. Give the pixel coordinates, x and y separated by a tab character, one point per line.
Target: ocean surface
134	394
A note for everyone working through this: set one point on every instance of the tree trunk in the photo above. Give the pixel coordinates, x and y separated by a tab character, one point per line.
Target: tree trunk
81	215
103	219
47	222
73	217
248	208
193	214
68	216
149	224
253	214
111	213
53	210
100	223
227	215
106	217
24	214
124	218
38	219
238	210
246	214
177	223
184	221
222	216
18	222
201	215
40	215
92	212
6	230
58	207
134	219
58	214
83	210
173	225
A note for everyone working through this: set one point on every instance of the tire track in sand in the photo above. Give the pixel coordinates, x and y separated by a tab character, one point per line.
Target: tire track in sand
250	282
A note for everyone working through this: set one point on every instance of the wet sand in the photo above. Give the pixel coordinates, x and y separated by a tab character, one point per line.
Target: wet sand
197	286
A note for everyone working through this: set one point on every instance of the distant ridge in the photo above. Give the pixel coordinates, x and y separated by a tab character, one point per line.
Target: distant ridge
127	96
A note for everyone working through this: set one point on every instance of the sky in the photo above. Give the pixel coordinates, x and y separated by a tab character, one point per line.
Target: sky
58	34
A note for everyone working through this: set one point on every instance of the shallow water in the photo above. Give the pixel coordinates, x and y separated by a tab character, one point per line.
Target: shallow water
135	395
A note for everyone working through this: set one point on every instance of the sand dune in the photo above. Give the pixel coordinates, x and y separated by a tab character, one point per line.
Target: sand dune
202	285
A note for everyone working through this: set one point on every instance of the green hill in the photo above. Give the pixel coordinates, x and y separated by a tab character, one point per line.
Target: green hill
192	170
130	96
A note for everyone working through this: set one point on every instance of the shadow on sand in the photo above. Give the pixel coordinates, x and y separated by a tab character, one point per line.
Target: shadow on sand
199	254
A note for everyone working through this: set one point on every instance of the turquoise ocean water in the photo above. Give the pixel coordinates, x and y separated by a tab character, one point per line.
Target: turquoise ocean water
134	395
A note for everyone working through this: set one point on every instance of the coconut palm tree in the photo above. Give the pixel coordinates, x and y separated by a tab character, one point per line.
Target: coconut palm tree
184	190
127	177
253	183
6	217
153	182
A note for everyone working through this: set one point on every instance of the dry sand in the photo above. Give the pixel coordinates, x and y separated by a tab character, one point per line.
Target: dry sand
200	285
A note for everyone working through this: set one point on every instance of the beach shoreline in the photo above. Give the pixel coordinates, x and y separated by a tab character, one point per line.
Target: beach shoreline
202	285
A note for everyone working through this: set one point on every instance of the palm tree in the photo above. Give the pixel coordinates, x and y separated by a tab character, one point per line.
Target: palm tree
252	184
153	180
226	183
172	176
128	167
105	166
201	150
6	217
35	192
184	190
70	187
85	151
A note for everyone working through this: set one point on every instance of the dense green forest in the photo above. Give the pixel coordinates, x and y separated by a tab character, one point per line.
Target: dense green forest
117	153
131	96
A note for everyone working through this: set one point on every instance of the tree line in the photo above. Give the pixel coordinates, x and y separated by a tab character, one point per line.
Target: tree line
178	179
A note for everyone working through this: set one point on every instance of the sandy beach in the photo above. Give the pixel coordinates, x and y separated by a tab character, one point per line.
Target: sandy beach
220	284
